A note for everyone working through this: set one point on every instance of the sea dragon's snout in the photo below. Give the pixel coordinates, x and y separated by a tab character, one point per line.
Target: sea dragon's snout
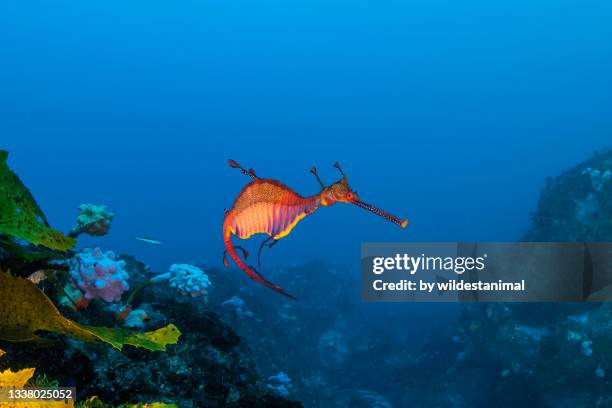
388	216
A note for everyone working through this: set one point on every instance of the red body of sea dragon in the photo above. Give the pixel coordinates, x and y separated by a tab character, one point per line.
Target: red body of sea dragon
265	206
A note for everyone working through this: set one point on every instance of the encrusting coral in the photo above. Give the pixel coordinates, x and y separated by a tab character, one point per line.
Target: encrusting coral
94	220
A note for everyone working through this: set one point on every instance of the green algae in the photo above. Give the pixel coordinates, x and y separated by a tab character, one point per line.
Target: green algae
20	215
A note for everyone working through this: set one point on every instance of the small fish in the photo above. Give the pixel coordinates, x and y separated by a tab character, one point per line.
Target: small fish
148	240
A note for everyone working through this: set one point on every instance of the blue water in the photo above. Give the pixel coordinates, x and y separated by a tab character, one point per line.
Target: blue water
448	113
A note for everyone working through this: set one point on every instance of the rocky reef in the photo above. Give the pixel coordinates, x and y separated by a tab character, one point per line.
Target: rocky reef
565	361
286	336
210	366
337	350
550	355
576	205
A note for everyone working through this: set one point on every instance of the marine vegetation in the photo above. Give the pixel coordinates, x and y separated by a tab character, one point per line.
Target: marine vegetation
24	378
20	379
27	310
265	206
20	215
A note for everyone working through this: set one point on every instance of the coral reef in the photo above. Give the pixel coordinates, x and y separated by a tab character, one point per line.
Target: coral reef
94	220
209	367
99	275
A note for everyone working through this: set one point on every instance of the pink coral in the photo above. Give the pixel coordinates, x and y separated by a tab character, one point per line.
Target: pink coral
99	275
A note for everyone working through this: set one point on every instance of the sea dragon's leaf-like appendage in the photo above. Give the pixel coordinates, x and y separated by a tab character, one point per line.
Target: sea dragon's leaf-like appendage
20	215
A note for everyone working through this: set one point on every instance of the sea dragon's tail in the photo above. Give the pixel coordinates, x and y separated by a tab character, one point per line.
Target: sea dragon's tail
253	274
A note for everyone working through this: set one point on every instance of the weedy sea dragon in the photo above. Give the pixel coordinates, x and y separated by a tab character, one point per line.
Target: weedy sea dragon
265	206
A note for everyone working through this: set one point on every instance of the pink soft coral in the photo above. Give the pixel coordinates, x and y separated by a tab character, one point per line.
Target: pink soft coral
99	275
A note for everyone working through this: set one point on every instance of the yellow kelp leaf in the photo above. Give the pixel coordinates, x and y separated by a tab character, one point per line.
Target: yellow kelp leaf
153	405
28	310
42	404
159	338
9	379
154	340
16	379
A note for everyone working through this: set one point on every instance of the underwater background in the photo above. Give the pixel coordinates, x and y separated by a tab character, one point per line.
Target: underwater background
451	114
